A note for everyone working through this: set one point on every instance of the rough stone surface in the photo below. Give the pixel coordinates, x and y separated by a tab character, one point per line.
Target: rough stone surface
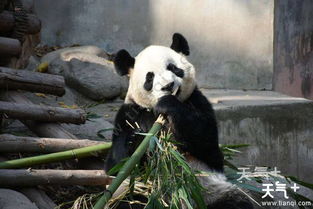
90	129
104	113
33	62
10	199
87	70
277	127
293	32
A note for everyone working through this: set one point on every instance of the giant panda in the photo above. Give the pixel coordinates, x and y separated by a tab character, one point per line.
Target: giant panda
154	76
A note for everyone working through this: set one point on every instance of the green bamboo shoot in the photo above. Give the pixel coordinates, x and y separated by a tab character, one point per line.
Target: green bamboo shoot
130	164
56	157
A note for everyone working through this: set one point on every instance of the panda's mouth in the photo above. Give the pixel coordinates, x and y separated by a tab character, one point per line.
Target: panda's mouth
176	91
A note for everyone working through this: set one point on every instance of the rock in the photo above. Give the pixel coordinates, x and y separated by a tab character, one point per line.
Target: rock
93	80
39	197
87	70
90	129
33	62
15	127
10	199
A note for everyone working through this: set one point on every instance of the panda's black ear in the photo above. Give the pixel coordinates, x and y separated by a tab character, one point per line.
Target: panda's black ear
180	44
123	62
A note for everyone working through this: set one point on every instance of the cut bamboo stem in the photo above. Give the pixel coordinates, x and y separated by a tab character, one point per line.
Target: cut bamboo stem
56	157
10	144
42	113
30	177
11	79
129	165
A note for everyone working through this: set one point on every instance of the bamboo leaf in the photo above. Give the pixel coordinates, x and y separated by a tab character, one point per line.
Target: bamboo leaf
305	184
99	133
234	146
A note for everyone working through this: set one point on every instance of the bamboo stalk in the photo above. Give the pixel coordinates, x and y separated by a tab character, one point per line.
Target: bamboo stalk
129	165
56	157
42	113
32	177
10	143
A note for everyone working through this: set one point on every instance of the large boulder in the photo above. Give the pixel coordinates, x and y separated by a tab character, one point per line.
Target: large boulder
10	199
95	129
87	70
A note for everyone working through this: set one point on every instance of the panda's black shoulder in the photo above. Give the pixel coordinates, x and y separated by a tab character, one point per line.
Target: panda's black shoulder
198	100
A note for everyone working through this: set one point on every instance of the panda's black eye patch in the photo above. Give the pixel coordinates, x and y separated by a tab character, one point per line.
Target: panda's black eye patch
177	71
149	81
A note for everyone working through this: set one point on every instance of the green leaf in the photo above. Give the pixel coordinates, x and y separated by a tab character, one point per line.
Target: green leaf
91	115
230	165
99	133
143	134
117	167
234	146
182	194
152	144
247	186
305	184
154	203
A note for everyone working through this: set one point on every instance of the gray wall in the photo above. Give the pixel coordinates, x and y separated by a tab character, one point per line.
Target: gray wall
230	40
293	68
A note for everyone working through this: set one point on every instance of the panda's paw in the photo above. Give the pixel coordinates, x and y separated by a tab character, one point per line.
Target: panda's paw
167	105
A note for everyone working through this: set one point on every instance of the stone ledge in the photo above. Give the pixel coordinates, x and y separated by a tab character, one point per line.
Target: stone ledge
277	127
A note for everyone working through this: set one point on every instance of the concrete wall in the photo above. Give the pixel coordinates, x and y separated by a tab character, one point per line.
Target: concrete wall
293	68
277	127
231	40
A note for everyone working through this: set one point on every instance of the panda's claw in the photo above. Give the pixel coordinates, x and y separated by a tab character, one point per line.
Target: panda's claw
167	105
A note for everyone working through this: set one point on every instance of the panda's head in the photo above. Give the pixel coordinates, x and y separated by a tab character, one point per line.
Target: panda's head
157	71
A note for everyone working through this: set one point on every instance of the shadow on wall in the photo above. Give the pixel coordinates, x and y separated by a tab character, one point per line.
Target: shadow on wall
111	25
231	40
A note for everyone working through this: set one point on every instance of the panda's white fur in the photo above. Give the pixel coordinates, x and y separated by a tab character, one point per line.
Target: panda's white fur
215	183
155	59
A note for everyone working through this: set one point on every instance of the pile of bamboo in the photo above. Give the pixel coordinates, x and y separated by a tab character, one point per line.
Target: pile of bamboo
11	46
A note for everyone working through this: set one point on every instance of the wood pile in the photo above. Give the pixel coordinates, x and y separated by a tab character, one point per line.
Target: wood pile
44	121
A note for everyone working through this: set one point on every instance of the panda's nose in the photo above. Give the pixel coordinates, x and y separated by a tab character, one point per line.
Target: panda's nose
168	87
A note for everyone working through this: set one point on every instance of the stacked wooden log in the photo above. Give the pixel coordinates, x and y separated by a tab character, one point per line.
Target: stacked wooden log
17	24
44	121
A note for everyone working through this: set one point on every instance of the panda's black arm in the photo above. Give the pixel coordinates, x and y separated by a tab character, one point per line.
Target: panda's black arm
123	135
195	126
195	113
